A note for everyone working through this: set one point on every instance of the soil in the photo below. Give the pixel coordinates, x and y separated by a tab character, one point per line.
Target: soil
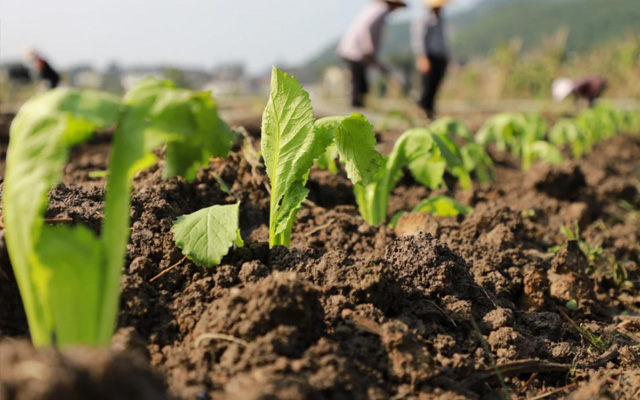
423	311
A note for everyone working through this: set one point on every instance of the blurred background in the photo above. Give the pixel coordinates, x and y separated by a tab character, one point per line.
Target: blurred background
505	53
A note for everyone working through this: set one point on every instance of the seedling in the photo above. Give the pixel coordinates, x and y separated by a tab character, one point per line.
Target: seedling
593	253
474	157
566	131
522	135
572	305
68	277
440	206
292	139
596	343
426	154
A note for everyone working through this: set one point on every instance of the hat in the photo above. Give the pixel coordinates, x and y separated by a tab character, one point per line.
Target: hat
29	54
561	88
435	3
396	2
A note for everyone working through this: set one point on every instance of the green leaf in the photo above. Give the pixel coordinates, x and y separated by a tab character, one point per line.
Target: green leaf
566	131
71	286
206	236
506	130
292	139
542	150
188	121
447	125
156	113
453	158
477	160
442	206
415	149
290	144
424	159
69	279
41	134
473	156
355	143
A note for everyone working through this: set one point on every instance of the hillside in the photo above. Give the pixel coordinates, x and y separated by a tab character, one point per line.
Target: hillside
475	32
590	22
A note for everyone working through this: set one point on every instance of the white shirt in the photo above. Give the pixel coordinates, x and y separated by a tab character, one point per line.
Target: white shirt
362	40
428	36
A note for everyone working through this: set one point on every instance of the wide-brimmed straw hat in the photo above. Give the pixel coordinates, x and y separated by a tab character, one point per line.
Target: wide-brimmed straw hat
561	88
396	2
435	3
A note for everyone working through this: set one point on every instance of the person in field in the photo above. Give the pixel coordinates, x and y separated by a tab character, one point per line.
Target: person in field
430	47
589	88
359	47
44	70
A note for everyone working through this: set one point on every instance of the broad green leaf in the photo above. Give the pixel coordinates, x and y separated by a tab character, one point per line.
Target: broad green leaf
71	286
427	154
473	156
453	158
414	149
547	152
447	125
442	206
69	279
535	127
290	144
41	134
566	131
423	158
206	236
292	139
477	160
157	113
186	120
355	142
506	130
541	150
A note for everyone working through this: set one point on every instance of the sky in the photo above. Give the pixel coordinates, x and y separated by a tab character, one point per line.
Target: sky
198	33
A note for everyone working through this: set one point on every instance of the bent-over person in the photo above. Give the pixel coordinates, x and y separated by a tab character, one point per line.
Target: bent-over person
360	46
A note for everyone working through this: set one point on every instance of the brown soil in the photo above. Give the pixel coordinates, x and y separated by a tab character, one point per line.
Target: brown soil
360	312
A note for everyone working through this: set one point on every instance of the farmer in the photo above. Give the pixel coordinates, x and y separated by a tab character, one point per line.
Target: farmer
588	88
429	44
360	45
42	67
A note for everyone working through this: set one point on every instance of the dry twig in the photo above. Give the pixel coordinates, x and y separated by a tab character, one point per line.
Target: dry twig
220	336
319	228
168	269
554	391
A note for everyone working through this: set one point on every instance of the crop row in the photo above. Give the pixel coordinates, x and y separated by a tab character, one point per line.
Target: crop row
69	277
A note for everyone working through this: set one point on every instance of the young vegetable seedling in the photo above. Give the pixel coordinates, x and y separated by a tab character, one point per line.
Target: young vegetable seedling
474	158
426	154
522	135
292	139
68	277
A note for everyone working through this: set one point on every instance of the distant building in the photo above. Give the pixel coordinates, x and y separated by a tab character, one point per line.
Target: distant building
84	76
227	80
